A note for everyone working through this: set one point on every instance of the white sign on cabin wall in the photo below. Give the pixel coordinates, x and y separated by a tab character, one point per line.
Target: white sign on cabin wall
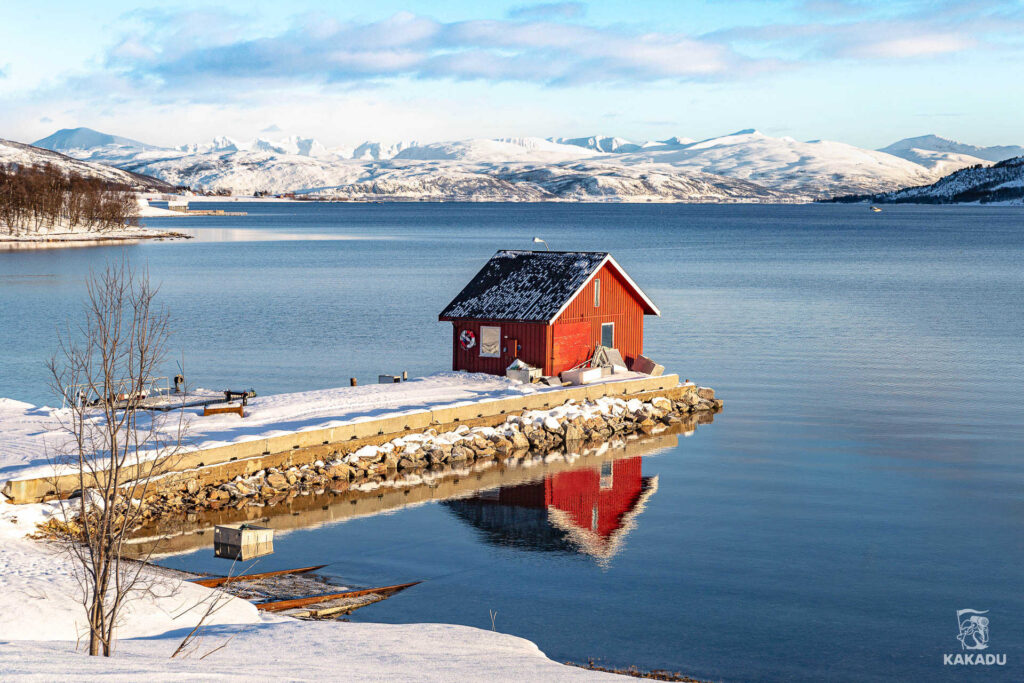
490	342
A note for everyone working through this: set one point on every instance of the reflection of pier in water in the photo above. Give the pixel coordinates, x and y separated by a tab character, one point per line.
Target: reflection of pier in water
196	531
584	510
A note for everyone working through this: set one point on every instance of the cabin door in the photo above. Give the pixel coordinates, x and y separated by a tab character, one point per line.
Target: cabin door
571	346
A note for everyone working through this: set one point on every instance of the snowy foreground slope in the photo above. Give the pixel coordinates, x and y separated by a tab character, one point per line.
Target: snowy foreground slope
41	617
743	166
40	631
16	153
1002	183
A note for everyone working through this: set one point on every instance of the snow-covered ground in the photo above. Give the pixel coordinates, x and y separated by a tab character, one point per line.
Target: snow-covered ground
146	210
58	236
42	615
307	651
28	434
41	628
36	580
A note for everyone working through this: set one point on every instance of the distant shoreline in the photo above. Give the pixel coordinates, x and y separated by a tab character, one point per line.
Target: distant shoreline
83	238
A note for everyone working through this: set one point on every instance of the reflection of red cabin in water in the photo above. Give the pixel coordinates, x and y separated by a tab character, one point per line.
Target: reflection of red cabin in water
593	509
548	308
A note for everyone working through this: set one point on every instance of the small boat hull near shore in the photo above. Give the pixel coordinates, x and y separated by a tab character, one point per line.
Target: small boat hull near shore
280	605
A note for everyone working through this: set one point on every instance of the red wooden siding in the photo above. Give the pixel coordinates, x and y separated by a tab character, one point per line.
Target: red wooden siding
570	345
579	494
533	339
618	305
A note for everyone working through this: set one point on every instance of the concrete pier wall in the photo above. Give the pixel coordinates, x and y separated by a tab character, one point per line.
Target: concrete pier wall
174	534
300	448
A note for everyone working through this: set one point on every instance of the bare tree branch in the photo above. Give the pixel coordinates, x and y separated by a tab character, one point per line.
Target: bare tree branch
103	368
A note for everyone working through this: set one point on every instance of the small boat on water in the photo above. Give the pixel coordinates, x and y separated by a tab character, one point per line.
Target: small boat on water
299	592
280	605
876	209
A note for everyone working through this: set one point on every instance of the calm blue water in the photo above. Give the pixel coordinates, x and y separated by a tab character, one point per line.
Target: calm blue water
864	483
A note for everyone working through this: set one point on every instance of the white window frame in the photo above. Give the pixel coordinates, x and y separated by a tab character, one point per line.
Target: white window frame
603	325
483	336
597	292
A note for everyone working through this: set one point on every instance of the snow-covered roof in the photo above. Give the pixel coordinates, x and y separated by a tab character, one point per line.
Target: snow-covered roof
532	286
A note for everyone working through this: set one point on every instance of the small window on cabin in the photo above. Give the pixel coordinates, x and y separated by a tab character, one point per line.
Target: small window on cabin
490	342
608	334
607	475
597	293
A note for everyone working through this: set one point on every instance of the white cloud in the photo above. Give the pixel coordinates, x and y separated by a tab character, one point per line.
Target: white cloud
912	46
548	10
407	45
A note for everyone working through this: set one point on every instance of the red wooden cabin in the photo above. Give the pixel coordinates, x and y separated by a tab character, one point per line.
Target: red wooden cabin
549	308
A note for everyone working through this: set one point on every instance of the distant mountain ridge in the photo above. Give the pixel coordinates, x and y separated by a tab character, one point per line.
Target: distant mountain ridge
935	143
777	166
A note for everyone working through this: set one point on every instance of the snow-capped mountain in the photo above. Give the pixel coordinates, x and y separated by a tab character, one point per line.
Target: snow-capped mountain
941	163
294	144
818	168
19	154
496	151
600	143
770	166
909	148
674	141
85	143
566	181
68	140
943	156
453	179
377	151
1001	183
303	147
247	172
221	143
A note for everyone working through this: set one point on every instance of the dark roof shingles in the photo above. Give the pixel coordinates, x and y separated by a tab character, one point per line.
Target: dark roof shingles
524	285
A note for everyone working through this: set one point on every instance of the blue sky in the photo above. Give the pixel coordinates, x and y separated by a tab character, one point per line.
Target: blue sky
861	72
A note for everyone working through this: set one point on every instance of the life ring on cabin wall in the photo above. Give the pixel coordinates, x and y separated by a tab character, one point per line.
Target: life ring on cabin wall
467	339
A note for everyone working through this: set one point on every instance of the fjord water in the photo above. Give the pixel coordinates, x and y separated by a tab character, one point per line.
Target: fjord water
864	482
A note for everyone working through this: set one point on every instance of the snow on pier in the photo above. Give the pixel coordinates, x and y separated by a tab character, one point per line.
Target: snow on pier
30	435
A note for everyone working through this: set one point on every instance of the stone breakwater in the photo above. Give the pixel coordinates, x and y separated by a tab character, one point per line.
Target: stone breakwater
414	458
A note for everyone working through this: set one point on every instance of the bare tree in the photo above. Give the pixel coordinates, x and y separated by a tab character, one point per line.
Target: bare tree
104	368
